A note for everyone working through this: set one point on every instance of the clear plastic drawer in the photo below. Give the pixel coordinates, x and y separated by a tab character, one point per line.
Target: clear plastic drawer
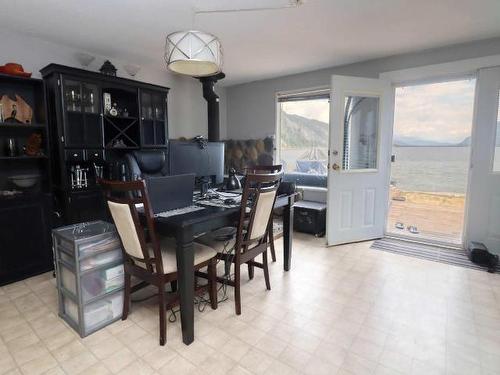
70	309
102	312
108	242
68	279
101	259
93	284
100	282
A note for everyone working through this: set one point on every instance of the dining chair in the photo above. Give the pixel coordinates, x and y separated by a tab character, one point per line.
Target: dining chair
266	169
252	233
147	256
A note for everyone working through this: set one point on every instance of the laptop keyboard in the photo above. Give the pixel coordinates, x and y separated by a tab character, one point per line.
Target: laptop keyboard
179	211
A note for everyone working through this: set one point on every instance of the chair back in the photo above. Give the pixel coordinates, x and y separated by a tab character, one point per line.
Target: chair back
259	169
145	163
259	194
125	200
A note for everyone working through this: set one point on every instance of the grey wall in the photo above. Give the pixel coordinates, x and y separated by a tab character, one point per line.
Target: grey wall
251	109
187	108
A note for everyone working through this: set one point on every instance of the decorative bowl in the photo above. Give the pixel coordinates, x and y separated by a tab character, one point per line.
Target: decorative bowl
24	180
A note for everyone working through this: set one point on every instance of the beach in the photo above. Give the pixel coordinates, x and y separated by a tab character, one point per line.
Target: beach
437	216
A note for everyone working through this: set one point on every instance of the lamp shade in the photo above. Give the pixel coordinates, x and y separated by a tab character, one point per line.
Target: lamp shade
193	53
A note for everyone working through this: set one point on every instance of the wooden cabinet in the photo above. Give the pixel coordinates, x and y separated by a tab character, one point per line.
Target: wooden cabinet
25	224
95	120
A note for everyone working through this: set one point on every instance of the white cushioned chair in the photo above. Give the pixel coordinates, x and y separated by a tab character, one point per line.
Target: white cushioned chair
252	236
147	256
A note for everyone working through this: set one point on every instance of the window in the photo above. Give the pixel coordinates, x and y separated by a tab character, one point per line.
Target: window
303	133
361	120
496	158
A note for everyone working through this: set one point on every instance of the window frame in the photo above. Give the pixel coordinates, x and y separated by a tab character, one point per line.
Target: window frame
312	92
494	139
378	140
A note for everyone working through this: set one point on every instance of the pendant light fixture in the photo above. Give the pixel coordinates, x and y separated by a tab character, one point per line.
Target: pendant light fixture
193	53
199	54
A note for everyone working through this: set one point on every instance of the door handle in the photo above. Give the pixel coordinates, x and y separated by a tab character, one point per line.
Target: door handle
335	167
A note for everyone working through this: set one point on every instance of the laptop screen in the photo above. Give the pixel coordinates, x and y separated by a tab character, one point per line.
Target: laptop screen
170	192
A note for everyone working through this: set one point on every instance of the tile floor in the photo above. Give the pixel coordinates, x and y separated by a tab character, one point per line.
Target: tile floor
341	310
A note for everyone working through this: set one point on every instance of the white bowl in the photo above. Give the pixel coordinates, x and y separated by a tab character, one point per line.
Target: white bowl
24	180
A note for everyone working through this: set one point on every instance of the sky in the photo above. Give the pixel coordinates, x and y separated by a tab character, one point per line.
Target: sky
440	112
318	109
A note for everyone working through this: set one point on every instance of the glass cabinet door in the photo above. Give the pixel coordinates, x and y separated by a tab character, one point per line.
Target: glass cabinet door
92	115
83	122
74	132
90	98
153	118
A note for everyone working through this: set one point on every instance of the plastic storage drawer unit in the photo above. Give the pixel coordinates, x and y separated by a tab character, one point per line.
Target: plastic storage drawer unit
90	279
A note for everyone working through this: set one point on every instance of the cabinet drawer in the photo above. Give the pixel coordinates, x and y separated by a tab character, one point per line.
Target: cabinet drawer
95	155
74	155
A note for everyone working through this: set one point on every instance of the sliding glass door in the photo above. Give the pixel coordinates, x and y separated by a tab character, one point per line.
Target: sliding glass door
430	160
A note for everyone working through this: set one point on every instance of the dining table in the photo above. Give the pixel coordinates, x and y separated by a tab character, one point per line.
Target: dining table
185	227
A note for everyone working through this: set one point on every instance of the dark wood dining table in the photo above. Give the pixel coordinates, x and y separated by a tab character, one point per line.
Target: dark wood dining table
185	227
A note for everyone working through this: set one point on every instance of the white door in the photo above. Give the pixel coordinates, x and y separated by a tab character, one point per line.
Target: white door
483	213
361	119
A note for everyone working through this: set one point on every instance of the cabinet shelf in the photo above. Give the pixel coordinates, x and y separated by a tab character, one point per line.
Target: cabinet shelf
120	117
122	148
82	113
25	157
10	125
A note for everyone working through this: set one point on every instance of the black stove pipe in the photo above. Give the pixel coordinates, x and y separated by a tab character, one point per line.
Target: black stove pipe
212	99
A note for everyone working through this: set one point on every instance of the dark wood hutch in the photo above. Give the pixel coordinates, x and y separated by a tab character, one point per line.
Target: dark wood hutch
94	120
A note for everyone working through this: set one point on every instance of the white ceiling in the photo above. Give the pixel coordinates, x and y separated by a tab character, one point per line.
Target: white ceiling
258	44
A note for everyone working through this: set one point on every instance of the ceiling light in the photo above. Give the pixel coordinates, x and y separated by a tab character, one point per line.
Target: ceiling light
132	69
84	58
193	53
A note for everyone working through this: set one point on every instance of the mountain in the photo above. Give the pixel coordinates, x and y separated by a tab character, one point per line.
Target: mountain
298	131
419	142
465	143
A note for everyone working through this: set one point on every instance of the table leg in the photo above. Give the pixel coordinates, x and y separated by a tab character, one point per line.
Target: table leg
287	234
185	266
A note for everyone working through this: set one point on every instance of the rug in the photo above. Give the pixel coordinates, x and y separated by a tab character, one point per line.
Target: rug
453	256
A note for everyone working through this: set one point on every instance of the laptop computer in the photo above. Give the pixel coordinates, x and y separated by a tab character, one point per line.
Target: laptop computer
170	192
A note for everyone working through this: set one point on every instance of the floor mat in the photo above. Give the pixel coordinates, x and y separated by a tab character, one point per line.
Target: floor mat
453	256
